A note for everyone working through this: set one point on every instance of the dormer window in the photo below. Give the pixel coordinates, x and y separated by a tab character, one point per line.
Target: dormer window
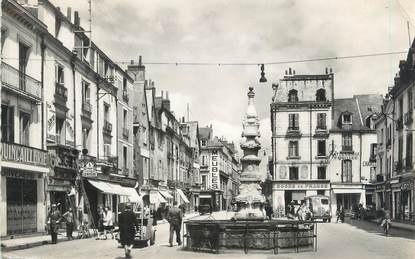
321	95
347	118
203	143
293	96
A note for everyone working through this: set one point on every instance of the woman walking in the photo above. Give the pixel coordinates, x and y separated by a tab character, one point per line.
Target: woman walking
127	224
108	224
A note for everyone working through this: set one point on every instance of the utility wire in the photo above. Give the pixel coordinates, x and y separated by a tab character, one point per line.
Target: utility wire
244	63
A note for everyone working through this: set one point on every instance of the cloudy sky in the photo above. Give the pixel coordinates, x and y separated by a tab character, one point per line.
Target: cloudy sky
259	31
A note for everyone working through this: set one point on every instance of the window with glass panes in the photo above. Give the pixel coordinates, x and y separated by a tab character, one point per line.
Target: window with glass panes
293	149
321	121
321	148
346	171
321	172
347	143
293	121
293	173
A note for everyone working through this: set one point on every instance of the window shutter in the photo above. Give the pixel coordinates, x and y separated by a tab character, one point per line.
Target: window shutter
296	120
290	120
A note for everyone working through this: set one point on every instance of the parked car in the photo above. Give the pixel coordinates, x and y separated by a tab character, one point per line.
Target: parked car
320	207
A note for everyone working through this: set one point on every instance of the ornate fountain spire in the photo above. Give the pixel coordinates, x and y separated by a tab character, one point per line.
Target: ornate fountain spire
250	197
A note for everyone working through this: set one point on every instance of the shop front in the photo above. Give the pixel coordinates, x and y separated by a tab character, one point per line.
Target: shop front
348	196
286	192
182	199
108	190
23	171
61	182
403	201
380	196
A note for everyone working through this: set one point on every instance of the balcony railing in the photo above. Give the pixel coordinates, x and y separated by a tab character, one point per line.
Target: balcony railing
125	133
61	92
107	126
408	118
347	148
399	123
293	128
125	96
321	127
20	82
86	108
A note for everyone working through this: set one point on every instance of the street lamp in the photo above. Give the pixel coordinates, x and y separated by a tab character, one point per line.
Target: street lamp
262	79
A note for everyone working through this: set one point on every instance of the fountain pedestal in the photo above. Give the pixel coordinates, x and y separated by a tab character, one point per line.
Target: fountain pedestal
250	198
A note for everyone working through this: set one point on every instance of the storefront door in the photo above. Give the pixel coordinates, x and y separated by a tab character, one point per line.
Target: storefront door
21	206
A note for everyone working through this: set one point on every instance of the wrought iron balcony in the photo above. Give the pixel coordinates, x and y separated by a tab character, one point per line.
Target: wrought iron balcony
399	123
19	82
125	133
408	118
125	96
61	93
86	108
347	148
107	127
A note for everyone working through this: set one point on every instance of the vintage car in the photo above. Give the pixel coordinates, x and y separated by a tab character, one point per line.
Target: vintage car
320	207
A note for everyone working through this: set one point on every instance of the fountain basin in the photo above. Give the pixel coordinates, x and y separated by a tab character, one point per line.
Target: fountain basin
276	235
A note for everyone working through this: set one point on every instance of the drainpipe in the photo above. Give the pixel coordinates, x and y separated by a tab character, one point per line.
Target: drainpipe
97	94
42	68
74	98
360	156
311	144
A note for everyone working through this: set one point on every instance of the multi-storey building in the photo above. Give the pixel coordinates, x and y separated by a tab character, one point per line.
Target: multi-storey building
384	161
301	112
219	171
190	129
73	94
23	152
353	145
397	116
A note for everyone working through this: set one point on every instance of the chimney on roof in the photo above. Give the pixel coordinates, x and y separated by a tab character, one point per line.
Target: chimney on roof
289	71
286	72
139	60
331	71
183	119
293	72
69	14
132	62
76	18
327	70
162	95
167	95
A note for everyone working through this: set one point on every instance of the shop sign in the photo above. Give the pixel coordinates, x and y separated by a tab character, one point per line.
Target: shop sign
302	186
407	186
344	156
23	154
89	173
369	164
62	157
21	174
215	171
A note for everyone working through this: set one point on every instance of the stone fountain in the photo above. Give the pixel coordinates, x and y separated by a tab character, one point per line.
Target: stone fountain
250	199
248	228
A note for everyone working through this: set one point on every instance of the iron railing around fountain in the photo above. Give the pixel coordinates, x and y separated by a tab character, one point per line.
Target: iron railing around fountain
280	236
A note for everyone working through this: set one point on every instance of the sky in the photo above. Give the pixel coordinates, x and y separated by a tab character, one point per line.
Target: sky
250	31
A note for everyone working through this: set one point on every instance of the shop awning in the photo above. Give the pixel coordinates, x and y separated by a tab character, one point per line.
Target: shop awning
133	195
113	188
181	194
340	191
155	197
166	194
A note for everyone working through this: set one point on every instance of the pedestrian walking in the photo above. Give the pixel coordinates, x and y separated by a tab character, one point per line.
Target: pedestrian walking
127	225
101	216
174	217
108	222
340	214
54	218
268	210
69	219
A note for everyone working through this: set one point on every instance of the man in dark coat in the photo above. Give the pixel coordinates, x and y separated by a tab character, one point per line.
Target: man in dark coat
174	217
127	225
54	218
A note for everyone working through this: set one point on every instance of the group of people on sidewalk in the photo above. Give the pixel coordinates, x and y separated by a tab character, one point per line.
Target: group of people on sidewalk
54	220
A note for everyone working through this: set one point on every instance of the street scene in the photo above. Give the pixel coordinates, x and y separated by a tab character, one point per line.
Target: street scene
183	129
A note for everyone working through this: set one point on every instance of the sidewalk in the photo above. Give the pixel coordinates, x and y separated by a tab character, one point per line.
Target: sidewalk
44	239
32	241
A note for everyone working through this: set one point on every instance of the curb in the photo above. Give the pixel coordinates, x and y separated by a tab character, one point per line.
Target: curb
35	244
396	225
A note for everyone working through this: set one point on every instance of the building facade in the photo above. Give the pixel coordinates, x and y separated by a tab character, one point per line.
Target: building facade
395	174
219	171
24	160
353	150
301	112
